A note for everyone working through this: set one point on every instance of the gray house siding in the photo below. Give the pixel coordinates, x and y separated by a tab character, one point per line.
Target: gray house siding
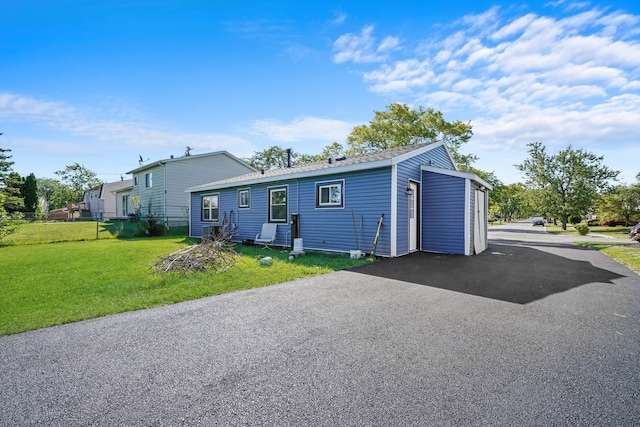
443	213
166	197
151	198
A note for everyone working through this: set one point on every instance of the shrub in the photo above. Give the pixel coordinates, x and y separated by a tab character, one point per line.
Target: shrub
576	219
582	229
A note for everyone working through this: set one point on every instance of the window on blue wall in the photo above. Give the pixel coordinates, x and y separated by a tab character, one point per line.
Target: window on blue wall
148	179
278	204
210	207
244	198
330	194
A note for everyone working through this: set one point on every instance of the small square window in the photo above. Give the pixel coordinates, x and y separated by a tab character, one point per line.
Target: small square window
330	194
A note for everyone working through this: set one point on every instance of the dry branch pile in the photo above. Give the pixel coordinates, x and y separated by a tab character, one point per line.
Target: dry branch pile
210	255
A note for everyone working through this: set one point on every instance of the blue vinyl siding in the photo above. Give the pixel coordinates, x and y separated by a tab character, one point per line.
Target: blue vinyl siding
366	193
443	213
409	170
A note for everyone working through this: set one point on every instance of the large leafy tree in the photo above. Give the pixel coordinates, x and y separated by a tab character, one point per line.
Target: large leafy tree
620	203
10	183
400	125
78	178
509	201
567	183
30	193
55	192
13	184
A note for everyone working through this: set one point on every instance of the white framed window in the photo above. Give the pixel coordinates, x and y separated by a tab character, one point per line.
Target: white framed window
244	198
135	180
278	204
330	194
148	179
211	208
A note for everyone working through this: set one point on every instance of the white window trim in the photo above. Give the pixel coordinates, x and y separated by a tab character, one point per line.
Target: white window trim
241	190
284	188
202	209
329	184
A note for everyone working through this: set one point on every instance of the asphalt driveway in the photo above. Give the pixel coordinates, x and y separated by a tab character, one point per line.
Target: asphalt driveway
506	338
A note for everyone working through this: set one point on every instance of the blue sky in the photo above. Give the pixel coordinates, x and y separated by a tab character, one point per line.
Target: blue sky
104	82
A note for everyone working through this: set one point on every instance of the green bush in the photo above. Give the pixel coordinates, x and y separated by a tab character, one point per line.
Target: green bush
576	219
583	229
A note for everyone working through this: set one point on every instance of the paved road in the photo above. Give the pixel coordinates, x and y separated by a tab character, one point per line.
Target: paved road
355	348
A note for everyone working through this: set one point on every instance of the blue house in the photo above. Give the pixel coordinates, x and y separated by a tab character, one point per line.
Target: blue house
424	202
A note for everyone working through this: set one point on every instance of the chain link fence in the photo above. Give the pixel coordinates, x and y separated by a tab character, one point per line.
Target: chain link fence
17	232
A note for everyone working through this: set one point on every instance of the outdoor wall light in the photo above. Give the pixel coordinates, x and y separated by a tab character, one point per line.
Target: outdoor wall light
408	190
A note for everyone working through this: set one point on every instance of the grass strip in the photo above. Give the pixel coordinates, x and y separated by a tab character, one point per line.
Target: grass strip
47	285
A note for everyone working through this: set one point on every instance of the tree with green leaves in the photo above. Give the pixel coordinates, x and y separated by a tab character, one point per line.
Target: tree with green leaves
10	183
55	193
400	125
275	157
12	190
78	178
568	183
620	203
509	201
30	194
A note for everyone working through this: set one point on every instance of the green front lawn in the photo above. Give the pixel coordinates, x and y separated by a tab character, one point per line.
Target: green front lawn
617	232
46	285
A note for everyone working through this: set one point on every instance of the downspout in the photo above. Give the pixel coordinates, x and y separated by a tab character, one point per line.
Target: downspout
164	202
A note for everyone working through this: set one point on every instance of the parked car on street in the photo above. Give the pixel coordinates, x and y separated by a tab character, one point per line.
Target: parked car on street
634	231
613	223
538	222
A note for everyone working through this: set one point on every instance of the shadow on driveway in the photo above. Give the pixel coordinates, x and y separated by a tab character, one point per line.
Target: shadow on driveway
509	273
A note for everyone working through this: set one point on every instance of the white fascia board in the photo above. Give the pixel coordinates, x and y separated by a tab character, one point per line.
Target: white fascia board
299	175
459	174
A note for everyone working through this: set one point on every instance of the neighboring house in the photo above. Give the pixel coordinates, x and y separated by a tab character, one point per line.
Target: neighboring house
336	205
160	186
101	200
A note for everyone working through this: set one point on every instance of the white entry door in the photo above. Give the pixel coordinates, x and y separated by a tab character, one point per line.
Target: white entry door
414	213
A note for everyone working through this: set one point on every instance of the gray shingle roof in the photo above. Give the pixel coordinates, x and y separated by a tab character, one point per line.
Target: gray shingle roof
359	162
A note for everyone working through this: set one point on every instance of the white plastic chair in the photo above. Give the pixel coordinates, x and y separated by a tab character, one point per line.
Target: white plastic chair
267	235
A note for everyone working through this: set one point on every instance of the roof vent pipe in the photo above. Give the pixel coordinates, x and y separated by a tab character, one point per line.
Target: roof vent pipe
262	171
330	160
288	157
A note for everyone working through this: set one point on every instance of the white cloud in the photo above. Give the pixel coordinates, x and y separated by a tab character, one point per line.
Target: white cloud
59	116
303	129
527	77
403	76
363	47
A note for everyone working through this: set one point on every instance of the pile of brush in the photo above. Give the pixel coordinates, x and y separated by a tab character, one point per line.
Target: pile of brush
215	254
